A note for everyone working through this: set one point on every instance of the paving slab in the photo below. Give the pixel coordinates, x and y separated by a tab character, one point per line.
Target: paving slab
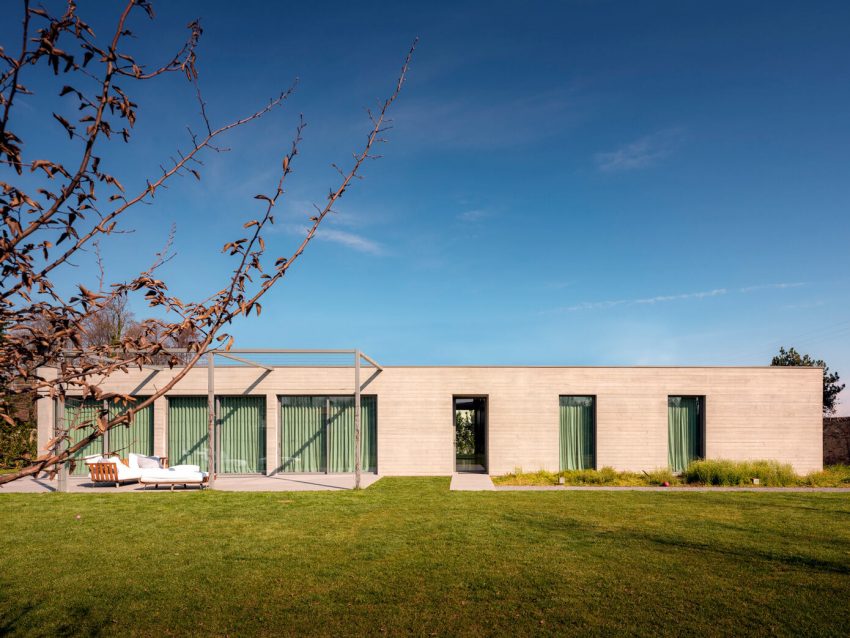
276	483
471	482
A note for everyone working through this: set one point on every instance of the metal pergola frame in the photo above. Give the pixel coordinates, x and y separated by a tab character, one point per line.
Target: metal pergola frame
243	356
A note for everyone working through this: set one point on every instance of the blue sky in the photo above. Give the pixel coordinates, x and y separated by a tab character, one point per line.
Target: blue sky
581	182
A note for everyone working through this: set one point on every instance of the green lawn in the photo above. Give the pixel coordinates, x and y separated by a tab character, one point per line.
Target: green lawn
407	556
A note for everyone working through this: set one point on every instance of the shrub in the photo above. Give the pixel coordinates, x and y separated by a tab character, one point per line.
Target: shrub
710	472
17	444
830	476
518	477
661	476
733	473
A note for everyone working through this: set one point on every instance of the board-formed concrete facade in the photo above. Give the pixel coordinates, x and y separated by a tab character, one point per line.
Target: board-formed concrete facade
750	412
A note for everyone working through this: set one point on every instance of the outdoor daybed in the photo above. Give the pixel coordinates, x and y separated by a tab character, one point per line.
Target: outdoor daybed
184	475
147	470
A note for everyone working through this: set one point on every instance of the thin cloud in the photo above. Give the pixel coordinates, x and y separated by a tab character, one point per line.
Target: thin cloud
644	301
639	154
351	240
772	286
475	215
487	122
648	301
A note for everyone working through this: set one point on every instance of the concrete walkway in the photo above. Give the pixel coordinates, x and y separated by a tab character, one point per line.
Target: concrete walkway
469	482
277	483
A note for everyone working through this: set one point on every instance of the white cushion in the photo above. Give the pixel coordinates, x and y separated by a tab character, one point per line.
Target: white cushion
146	462
125	473
186	468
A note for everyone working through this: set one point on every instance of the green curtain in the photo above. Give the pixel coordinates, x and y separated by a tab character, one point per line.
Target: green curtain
138	437
341	433
81	420
303	446
684	442
313	427
188	431
243	435
577	433
369	433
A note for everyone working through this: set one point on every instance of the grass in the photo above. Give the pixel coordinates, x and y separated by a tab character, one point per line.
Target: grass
408	557
699	473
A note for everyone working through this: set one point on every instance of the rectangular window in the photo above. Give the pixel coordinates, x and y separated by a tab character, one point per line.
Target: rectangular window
578	432
138	437
685	431
188	431
81	416
240	433
317	434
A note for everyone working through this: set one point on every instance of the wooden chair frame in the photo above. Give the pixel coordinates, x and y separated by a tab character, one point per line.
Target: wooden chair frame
105	473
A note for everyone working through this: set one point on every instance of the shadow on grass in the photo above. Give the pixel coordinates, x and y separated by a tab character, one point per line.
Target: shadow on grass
25	620
743	554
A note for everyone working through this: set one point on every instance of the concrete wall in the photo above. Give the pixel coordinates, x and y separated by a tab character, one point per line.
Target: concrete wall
751	413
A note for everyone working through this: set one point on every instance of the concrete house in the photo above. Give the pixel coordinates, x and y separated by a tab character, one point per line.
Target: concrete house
424	420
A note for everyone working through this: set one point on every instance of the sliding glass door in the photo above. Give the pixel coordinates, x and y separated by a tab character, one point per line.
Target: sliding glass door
317	433
81	416
240	427
303	435
578	432
242	432
340	430
684	431
137	438
188	431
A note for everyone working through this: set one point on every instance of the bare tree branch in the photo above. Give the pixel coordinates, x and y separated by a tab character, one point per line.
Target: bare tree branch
60	345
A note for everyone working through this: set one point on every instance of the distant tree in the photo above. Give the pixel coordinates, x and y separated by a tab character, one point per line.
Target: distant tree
109	324
831	387
465	432
61	199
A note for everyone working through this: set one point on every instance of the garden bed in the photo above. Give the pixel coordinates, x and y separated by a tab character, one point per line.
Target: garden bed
699	474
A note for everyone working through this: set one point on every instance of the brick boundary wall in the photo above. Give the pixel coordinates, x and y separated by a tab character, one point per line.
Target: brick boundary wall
836	440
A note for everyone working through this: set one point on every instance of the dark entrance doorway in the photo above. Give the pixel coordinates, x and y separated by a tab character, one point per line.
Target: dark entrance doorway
470	434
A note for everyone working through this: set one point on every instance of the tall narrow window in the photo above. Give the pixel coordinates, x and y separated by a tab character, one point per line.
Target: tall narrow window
242	438
80	421
188	431
578	432
303	436
685	418
137	437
